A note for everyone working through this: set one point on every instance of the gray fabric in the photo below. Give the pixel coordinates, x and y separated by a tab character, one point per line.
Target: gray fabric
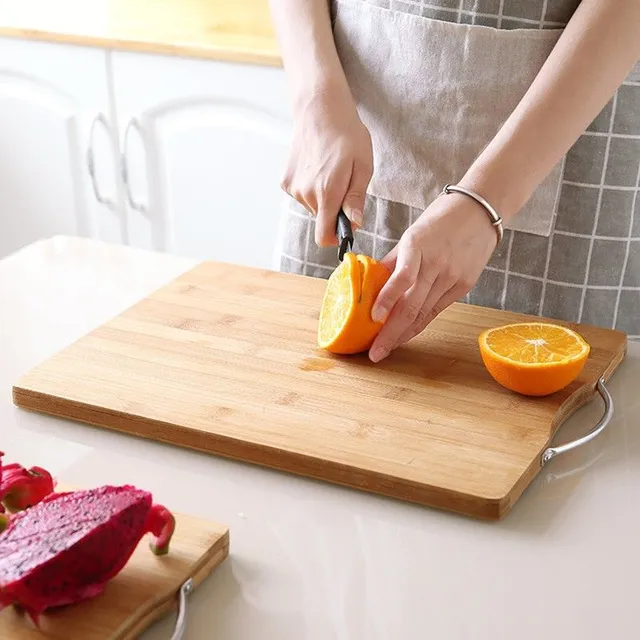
428	92
588	270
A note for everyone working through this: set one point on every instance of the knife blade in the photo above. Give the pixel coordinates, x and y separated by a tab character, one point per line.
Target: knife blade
344	233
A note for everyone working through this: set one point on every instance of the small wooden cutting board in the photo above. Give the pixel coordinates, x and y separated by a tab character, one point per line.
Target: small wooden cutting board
224	360
143	592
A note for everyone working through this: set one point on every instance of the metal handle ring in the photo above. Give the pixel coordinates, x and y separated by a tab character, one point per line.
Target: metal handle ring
181	621
133	203
551	452
91	162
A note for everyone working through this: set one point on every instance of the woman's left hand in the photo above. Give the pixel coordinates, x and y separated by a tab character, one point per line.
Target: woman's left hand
437	261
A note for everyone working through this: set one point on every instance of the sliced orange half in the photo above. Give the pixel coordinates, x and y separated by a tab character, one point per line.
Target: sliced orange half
533	358
345	325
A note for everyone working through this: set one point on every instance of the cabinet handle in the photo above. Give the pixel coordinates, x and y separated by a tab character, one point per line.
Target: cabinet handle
133	203
91	161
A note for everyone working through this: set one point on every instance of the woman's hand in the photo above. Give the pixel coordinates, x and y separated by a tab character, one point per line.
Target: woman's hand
437	261
331	162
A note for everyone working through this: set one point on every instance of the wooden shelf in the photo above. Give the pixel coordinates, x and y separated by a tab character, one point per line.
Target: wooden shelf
214	29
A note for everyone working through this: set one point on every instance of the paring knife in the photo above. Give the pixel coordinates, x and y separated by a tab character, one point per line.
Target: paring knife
344	233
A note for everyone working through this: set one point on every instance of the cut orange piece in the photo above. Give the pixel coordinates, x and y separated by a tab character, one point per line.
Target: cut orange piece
533	358
345	325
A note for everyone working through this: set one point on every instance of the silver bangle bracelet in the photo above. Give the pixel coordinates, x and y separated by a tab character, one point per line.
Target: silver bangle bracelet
496	220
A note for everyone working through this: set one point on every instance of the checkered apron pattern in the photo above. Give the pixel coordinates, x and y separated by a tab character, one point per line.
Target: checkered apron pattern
588	269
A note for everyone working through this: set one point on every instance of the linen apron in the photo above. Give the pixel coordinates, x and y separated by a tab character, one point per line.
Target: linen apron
433	81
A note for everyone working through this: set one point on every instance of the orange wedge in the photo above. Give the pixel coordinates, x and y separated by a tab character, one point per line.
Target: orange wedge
533	358
345	325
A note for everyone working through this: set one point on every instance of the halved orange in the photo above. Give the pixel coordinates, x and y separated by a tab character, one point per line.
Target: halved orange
345	325
533	358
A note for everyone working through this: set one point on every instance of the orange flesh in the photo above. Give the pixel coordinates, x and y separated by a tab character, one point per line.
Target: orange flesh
535	343
338	301
345	324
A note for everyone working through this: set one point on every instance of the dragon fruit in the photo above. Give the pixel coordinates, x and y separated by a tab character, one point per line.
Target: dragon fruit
67	547
4	521
22	488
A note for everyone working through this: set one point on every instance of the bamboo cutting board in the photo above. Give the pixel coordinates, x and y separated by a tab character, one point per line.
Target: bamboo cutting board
223	360
143	592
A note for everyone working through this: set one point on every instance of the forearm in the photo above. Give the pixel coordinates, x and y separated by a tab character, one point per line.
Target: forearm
310	59
593	56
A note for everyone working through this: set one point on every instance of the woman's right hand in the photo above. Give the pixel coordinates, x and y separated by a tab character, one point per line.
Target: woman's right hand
331	162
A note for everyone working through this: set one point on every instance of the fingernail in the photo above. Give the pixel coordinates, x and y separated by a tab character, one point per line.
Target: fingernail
378	314
356	216
377	354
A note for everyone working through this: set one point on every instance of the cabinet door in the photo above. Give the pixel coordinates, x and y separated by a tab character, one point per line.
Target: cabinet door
51	98
204	145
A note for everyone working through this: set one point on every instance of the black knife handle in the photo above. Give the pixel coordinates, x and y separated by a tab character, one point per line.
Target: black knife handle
344	233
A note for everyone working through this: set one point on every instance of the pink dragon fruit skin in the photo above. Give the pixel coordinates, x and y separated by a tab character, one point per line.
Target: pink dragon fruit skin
68	546
4	521
22	488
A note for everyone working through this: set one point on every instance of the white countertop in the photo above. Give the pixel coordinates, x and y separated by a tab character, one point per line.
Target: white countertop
310	561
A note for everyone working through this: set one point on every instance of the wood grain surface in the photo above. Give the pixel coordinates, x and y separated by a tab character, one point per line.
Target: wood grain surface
224	360
143	592
235	31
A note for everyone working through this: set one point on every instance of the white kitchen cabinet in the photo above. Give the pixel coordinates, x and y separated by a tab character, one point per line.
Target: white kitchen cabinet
54	107
204	144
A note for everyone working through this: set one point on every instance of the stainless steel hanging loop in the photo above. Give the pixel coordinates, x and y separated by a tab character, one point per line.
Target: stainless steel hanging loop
552	452
181	621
